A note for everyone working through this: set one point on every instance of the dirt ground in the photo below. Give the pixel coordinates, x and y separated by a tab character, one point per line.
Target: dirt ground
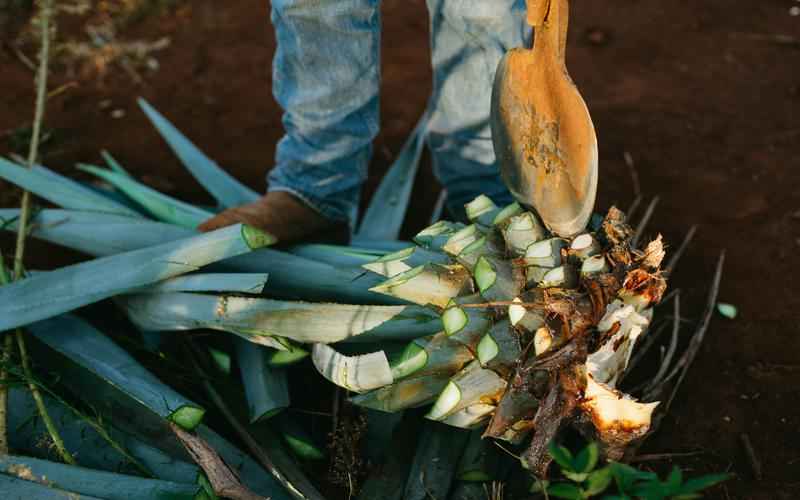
701	93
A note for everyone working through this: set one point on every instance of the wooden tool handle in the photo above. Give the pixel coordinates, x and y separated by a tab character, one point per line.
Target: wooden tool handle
550	18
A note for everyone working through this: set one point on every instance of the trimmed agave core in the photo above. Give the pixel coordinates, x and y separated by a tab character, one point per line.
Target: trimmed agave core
536	330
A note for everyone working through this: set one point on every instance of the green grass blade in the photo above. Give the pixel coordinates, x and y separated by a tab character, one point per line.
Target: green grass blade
105	361
300	321
387	209
223	187
160	206
49	294
266	387
60	190
91	482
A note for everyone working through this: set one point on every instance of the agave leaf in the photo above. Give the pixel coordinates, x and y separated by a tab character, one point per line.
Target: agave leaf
481	460
251	473
471	385
113	164
465	490
94	233
303	446
20	489
354	373
392	264
332	254
266	387
27	433
160	206
387	480
304	322
434	467
252	283
402	394
104	234
85	481
49	294
387	208
61	190
99	361
221	185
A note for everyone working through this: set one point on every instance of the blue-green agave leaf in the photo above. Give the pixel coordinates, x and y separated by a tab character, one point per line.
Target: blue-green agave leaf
14	488
387	209
223	187
266	387
97	234
160	206
98	355
252	283
49	294
92	482
61	190
27	432
434	467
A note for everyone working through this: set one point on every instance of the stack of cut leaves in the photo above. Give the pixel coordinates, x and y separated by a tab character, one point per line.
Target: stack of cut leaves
497	326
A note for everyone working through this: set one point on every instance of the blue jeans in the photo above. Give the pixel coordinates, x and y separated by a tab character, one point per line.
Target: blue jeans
326	76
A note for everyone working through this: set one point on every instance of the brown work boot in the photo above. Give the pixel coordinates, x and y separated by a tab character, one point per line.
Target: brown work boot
284	216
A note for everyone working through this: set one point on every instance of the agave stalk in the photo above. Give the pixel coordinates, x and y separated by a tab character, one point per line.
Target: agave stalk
428	284
584	246
471	385
404	260
480	206
595	264
523	318
257	318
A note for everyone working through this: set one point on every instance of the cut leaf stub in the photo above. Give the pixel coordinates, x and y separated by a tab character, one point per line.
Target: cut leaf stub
537	329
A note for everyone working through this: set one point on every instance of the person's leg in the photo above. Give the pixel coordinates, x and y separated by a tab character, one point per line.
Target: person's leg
468	38
326	74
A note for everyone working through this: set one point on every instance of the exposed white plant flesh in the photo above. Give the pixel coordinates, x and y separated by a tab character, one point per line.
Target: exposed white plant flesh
593	265
479	206
253	318
521	232
428	284
610	360
461	240
354	373
542	340
471	385
546	253
470	417
584	245
617	418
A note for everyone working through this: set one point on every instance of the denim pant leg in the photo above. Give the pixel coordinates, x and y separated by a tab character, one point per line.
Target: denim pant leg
468	38
326	73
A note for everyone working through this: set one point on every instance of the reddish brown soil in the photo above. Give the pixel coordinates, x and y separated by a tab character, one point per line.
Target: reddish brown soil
704	101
